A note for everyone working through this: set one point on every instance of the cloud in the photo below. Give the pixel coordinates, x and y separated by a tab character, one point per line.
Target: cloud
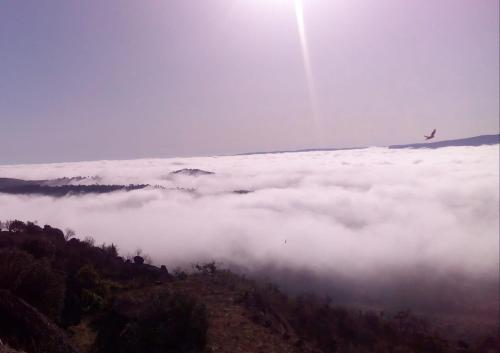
361	221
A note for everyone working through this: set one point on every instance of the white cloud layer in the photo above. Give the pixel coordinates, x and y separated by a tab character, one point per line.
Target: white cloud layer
361	214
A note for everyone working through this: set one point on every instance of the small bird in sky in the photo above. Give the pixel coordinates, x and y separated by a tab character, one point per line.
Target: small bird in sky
431	136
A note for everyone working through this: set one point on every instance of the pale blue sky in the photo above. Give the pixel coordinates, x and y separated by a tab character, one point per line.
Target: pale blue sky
115	79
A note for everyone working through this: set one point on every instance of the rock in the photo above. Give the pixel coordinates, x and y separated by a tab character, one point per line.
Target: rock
138	260
7	349
30	329
192	172
242	192
55	233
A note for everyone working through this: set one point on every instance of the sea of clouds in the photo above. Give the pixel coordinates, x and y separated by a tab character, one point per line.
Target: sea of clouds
371	226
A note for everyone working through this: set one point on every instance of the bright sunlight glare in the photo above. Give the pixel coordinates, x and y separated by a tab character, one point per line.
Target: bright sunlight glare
311	90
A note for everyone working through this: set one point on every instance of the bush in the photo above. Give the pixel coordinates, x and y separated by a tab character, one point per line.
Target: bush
69	234
32	228
179	274
93	290
16	226
209	268
166	323
32	280
138	260
39	248
111	250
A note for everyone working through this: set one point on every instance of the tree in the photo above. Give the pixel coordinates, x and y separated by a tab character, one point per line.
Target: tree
90	241
68	234
16	226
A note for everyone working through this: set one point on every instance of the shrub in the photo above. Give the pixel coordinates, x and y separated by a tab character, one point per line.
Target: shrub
16	226
32	280
209	268
111	250
69	234
179	274
39	248
93	290
54	232
166	323
89	241
138	260
32	228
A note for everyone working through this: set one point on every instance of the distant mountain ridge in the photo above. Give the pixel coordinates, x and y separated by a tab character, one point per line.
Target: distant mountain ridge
301	150
470	141
59	187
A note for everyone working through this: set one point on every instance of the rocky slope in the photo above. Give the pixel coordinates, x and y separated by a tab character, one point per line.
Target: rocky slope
62	295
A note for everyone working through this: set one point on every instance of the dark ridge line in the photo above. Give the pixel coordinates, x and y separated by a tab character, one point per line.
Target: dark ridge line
302	150
469	141
64	190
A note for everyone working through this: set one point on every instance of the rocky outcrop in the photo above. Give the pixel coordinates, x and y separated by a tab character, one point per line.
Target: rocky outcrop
23	326
7	349
192	172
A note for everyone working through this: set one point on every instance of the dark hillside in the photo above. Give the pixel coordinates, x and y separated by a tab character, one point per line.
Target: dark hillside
58	187
60	294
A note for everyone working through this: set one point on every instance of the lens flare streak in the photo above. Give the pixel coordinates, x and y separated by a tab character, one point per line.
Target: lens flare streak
311	89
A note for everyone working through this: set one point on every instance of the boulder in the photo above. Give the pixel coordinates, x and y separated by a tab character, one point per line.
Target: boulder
24	326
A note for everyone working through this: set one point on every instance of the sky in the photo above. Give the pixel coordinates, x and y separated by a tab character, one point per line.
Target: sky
121	79
398	227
